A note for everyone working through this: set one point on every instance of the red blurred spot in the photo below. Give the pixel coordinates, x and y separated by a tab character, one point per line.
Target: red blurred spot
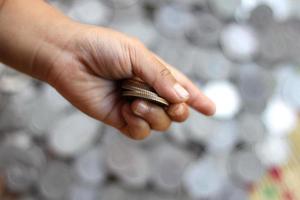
288	196
276	173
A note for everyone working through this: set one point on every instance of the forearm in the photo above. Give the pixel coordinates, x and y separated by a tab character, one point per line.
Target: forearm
32	33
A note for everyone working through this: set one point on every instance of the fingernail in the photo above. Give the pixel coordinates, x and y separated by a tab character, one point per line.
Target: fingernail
141	109
177	111
211	107
181	92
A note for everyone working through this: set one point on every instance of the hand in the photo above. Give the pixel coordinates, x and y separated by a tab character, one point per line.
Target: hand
85	64
95	59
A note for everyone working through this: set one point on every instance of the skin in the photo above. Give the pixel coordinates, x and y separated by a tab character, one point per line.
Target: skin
85	64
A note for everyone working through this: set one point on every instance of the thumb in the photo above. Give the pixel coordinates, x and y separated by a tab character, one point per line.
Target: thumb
148	68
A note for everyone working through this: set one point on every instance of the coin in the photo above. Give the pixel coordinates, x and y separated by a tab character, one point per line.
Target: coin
135	88
145	96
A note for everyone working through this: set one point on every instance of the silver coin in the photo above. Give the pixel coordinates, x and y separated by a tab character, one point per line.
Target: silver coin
4	101
274	45
12	81
246	167
90	166
19	139
127	161
2	67
173	53
232	191
20	178
73	134
261	17
199	128
21	166
274	146
239	42
279	118
256	86
130	13
224	138
177	134
139	28
282	9
122	4
212	64
56	181
173	20
203	179
224	9
113	192
86	192
227	108
206	30
288	83
42	112
90	12
168	167
251	128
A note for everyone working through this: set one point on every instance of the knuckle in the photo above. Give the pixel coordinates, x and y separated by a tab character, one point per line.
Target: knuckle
165	72
137	42
163	126
139	135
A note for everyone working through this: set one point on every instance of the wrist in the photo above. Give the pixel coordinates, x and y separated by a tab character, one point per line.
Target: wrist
32	36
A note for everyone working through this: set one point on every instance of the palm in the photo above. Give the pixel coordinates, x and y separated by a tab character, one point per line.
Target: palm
88	71
92	83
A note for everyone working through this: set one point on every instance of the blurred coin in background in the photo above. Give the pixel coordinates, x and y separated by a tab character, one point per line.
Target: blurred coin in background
277	146
226	97
288	84
20	139
21	167
173	53
139	28
239	42
56	180
224	9
274	45
212	64
121	4
224	137
73	134
12	81
198	128
202	179
86	192
173	20
279	118
126	161
232	191
90	166
91	12
43	111
245	167
205	31
282	9
261	17
256	86
168	166
251	128
177	134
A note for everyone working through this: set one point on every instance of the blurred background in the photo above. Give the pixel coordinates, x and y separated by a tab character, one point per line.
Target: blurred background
244	54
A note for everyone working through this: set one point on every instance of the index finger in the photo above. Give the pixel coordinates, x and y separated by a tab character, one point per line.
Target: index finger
198	100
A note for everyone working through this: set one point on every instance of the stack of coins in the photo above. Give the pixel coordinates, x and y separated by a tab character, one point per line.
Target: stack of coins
136	88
